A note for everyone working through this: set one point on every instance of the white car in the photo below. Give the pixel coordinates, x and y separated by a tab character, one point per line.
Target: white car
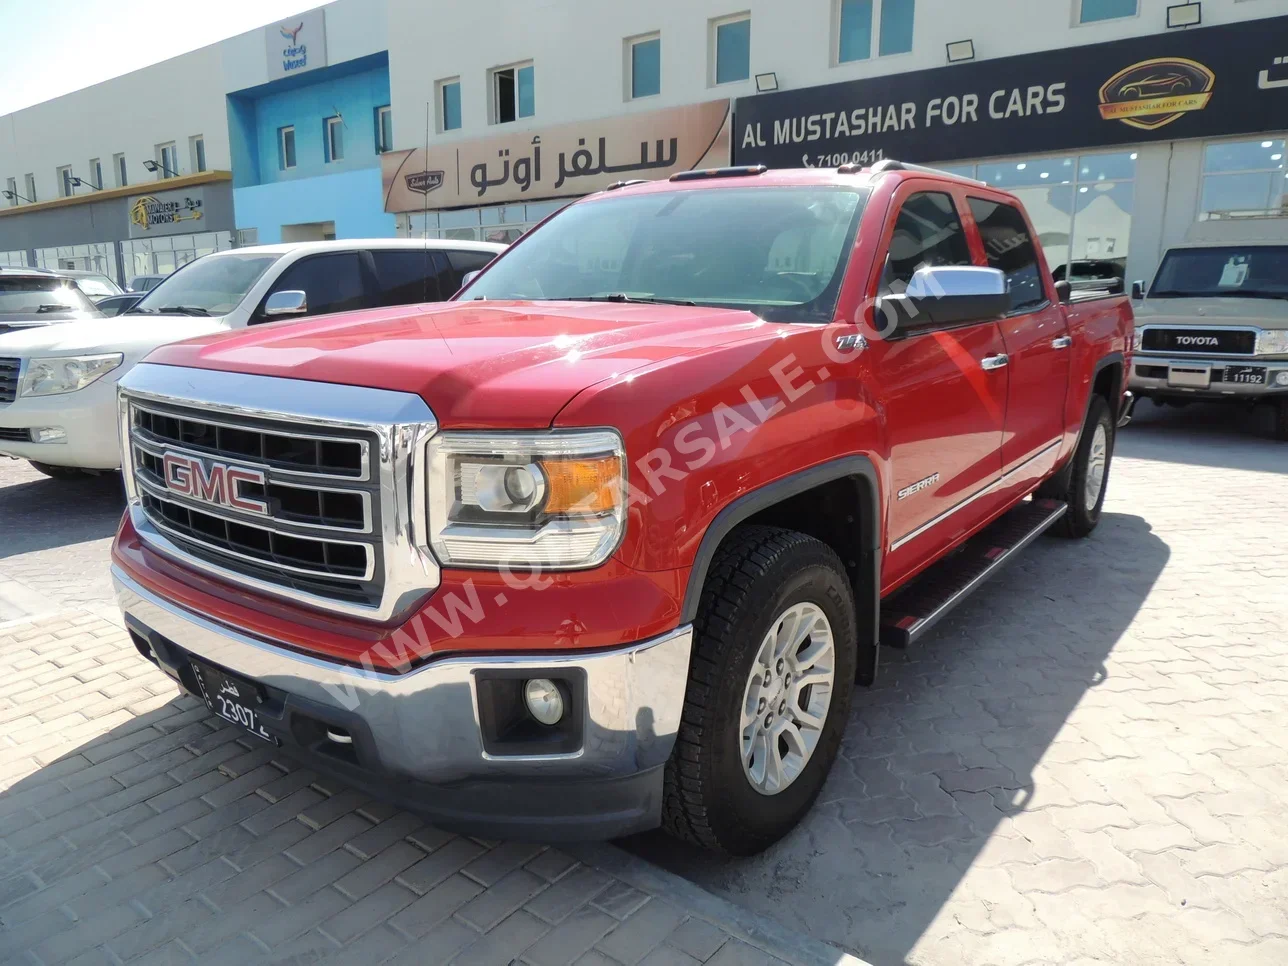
58	382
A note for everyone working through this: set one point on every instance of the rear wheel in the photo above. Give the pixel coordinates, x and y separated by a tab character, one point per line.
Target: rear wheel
768	694
1083	483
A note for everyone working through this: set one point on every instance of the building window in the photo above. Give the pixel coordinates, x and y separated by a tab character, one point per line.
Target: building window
449	104
896	26
645	59
168	159
31	187
333	138
286	148
854	31
65	187
1243	179
11	192
384	129
197	150
732	37
96	173
118	162
1090	11
512	93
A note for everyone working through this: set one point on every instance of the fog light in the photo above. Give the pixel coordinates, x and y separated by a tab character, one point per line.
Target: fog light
1281	378
544	701
48	434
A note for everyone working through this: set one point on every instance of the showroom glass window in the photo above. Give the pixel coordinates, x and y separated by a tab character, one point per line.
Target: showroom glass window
733	50
495	223
1092	11
449	100
1243	179
646	66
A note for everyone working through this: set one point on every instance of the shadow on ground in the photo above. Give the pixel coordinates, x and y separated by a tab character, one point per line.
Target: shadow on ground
942	748
44	513
1205	434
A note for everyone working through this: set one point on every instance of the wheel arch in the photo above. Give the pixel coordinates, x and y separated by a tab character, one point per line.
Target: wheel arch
807	501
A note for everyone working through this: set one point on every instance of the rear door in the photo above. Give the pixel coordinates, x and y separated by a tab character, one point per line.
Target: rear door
1036	336
944	409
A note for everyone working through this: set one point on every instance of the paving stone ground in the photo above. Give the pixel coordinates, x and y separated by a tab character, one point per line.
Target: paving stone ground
1085	764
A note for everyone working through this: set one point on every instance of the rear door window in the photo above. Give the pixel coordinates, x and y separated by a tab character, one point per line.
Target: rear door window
1010	248
331	283
405	277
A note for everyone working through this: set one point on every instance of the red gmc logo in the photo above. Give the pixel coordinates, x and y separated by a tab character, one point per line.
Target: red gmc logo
216	483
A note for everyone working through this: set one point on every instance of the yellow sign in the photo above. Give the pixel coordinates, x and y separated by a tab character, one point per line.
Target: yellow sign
149	211
1156	92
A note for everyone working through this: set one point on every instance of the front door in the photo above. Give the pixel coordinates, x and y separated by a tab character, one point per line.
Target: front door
945	405
1038	344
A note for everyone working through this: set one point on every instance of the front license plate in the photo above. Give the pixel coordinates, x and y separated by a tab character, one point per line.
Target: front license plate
1248	375
1189	378
232	699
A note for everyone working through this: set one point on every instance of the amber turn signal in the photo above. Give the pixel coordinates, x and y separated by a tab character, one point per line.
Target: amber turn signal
582	486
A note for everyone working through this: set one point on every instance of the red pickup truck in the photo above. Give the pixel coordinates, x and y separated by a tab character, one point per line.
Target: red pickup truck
607	542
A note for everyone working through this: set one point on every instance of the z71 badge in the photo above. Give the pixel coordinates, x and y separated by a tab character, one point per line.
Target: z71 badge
917	487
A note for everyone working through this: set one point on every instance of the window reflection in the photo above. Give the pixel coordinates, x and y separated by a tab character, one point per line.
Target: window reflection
1243	179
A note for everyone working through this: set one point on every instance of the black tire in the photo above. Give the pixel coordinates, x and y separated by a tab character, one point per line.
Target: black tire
59	472
1281	420
1070	485
756	575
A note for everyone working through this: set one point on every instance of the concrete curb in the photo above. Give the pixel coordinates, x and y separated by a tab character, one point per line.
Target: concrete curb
765	934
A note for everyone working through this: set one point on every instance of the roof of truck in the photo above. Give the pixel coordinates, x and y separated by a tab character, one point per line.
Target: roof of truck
348	244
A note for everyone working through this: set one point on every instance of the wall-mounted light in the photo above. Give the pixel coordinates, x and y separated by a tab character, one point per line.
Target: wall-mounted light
1185	15
960	50
767	82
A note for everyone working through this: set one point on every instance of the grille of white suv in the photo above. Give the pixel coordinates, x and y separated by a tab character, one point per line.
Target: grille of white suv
9	379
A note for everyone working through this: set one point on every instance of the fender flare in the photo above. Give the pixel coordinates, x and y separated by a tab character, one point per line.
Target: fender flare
1062	475
867	584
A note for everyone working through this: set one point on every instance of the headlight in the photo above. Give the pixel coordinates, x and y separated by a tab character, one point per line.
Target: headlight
1272	343
1135	341
49	377
549	500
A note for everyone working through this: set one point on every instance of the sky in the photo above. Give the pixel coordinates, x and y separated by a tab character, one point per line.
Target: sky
51	47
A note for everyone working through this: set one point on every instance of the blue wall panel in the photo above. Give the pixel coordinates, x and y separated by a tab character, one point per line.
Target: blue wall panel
351	199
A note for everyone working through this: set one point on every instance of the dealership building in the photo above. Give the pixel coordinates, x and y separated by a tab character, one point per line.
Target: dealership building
1126	126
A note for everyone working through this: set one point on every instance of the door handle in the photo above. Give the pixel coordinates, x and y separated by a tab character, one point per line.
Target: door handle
995	362
1062	343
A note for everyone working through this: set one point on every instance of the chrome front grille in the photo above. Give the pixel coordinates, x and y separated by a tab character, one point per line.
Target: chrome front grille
9	369
304	503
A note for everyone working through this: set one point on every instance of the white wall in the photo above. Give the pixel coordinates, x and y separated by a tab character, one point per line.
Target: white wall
577	47
169	101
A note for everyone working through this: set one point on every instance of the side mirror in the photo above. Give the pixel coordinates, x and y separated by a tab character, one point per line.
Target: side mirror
1064	291
1137	290
469	277
945	295
289	302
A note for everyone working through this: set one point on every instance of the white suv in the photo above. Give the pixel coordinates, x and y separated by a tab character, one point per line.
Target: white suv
58	382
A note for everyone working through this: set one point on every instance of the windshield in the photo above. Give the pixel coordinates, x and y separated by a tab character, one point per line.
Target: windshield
779	252
96	285
213	285
42	296
1250	271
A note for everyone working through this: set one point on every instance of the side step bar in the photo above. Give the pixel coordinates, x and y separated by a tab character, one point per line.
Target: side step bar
913	610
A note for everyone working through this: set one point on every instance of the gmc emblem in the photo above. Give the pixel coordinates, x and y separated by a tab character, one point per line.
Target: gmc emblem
1197	340
214	483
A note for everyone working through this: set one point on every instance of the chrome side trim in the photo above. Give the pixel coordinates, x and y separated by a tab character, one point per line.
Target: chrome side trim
425	723
978	494
401	423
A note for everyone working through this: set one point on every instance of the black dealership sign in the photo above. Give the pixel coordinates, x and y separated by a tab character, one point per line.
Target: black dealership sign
1204	82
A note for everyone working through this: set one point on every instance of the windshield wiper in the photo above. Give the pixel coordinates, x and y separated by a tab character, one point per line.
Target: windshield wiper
182	310
623	297
135	310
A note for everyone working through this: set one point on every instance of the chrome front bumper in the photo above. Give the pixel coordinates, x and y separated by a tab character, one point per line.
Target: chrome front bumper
423	728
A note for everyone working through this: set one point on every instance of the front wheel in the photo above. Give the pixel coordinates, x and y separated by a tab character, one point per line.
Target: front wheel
768	694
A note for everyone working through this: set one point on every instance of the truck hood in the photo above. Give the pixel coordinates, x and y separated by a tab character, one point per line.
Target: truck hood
1208	312
477	364
134	335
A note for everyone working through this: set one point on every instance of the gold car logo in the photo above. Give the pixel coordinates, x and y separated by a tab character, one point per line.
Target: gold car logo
1156	92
